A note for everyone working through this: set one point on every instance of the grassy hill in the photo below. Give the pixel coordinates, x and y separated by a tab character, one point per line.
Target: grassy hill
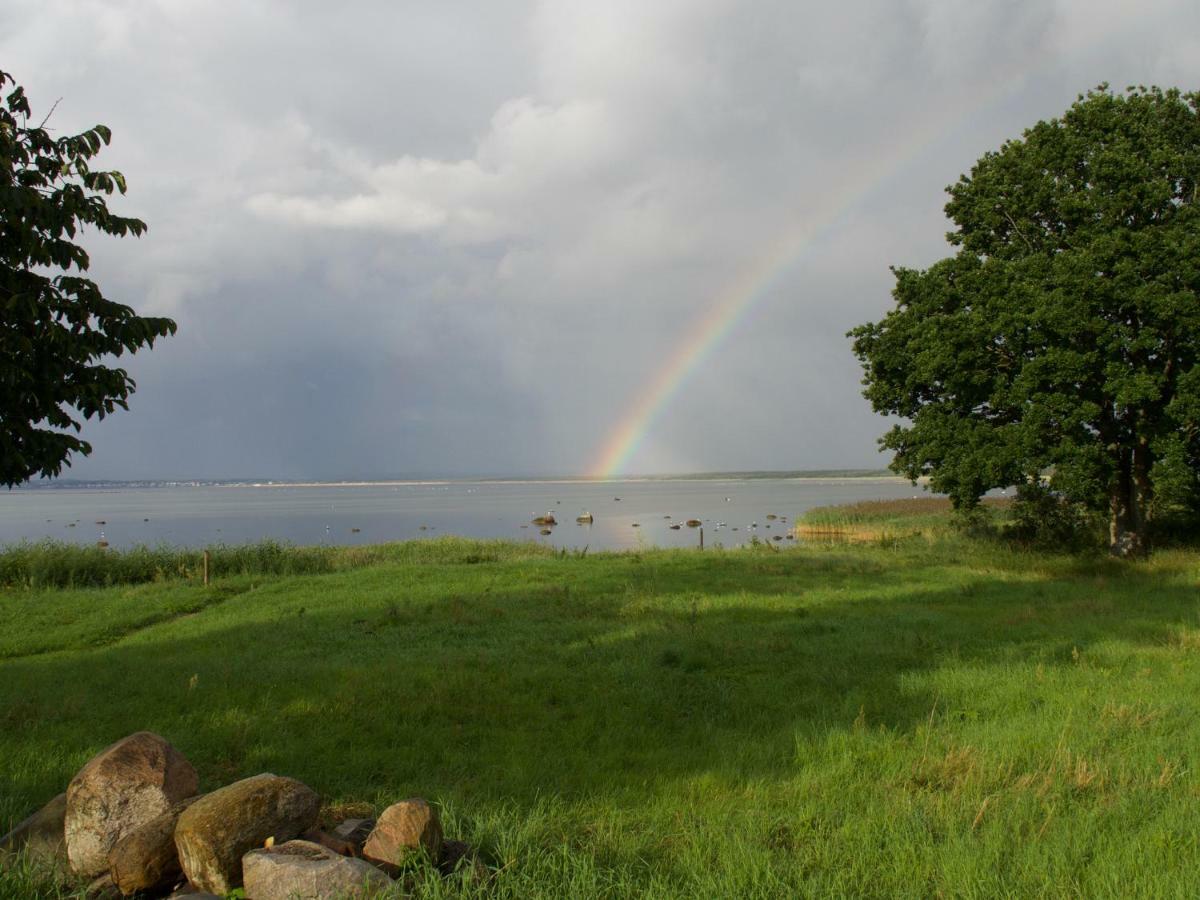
912	716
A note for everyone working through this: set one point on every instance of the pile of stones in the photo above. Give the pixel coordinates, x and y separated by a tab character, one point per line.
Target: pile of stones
132	822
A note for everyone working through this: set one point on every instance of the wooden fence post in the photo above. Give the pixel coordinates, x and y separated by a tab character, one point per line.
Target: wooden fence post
206	567
701	537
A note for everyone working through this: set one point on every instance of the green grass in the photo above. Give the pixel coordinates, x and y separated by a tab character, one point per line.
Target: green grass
906	718
56	564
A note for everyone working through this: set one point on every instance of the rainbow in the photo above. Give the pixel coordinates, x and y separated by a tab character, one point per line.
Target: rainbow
733	304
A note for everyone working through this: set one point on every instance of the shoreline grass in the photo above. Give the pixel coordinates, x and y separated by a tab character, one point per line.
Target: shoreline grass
895	719
59	564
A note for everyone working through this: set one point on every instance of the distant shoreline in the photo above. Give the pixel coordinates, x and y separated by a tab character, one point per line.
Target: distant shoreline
866	476
649	479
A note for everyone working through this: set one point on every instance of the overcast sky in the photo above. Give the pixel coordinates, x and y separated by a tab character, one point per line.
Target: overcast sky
453	238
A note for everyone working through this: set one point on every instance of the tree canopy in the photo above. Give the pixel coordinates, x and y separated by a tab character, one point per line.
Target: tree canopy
56	327
1058	345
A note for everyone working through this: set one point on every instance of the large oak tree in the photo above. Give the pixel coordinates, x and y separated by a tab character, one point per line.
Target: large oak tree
57	330
1061	339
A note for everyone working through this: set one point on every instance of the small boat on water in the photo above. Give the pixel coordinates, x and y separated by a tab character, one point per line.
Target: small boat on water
585	519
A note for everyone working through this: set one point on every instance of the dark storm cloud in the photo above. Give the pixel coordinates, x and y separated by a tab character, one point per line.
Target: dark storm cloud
463	237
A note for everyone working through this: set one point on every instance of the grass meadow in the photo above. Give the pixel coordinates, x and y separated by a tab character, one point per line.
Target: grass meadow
919	715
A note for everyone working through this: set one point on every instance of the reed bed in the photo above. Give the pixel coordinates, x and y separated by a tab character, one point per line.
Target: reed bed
56	564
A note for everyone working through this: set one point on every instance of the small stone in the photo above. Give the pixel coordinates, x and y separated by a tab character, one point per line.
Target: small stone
355	831
349	829
40	837
403	829
216	831
330	842
302	870
121	788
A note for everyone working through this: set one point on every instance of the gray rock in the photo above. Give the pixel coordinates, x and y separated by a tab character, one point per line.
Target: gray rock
216	831
331	842
40	837
356	831
301	870
146	859
122	787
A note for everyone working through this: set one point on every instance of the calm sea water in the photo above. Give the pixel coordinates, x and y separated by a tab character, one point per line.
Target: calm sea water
732	511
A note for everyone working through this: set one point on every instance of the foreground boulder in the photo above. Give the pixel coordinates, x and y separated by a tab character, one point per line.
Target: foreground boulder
216	831
302	870
40	837
146	858
124	786
403	829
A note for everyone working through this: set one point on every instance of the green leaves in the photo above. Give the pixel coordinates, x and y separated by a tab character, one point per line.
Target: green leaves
1062	336
56	328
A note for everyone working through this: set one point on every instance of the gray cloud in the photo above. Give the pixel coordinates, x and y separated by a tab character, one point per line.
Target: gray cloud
464	238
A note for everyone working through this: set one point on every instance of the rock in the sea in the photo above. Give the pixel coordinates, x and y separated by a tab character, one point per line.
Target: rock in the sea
216	831
122	787
146	858
403	829
301	870
39	837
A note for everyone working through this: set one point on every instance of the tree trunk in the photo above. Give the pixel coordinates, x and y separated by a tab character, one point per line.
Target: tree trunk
1128	502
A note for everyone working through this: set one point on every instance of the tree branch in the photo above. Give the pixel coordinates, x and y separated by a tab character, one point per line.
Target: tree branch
53	107
1017	230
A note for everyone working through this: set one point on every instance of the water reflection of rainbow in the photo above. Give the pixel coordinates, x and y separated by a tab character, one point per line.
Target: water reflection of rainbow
738	298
